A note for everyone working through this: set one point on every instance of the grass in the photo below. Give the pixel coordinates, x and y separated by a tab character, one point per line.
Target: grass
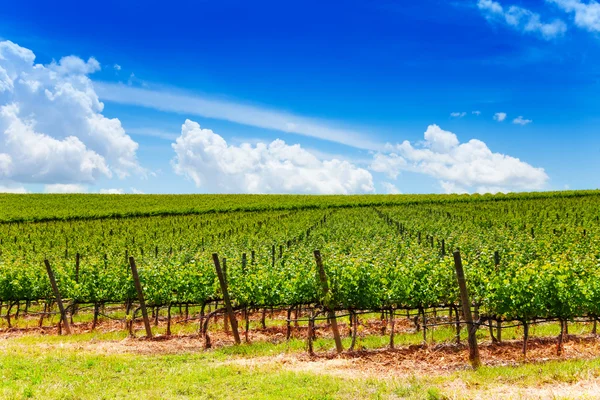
533	374
70	367
55	367
66	374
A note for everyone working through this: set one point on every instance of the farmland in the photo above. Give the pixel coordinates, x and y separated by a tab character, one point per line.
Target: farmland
531	263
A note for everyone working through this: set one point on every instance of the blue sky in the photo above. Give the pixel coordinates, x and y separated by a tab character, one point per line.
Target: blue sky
339	79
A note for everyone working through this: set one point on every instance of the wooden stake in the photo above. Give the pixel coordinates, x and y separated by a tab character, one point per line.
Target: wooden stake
226	299
311	328
331	312
392	323
273	256
466	304
140	293
525	337
63	314
77	267
225	319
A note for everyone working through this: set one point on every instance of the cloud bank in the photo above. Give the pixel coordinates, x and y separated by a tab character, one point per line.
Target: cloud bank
216	166
460	167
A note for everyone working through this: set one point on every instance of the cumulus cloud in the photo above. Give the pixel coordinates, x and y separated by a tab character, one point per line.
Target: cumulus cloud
522	19
51	125
216	166
390	188
521	121
12	189
586	15
451	187
500	116
65	188
117	67
388	163
458	114
460	167
111	191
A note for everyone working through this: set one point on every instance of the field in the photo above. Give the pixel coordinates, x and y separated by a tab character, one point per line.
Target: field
388	283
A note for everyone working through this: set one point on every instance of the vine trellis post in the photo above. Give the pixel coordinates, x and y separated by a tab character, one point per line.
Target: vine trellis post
466	305
226	299
63	313
140	293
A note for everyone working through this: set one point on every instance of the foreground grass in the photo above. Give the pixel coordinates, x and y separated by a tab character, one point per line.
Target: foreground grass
55	367
67	374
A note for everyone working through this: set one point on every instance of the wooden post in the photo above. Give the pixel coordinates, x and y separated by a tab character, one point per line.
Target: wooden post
311	328
140	293
244	262
226	299
466	304
496	259
63	314
392	323
77	267
325	288
273	256
225	319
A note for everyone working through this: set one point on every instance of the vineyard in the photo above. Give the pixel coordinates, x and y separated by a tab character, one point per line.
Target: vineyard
527	258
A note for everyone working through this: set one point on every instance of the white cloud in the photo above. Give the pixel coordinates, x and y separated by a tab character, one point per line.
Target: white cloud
458	114
136	191
65	188
390	164
460	167
522	19
521	121
390	188
111	191
72	65
51	125
478	113
215	166
12	189
117	67
500	116
172	101
451	187
438	140
587	15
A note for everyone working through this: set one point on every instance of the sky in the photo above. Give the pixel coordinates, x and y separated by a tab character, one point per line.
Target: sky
299	97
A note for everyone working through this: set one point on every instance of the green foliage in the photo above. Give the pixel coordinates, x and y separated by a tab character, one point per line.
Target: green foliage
388	256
